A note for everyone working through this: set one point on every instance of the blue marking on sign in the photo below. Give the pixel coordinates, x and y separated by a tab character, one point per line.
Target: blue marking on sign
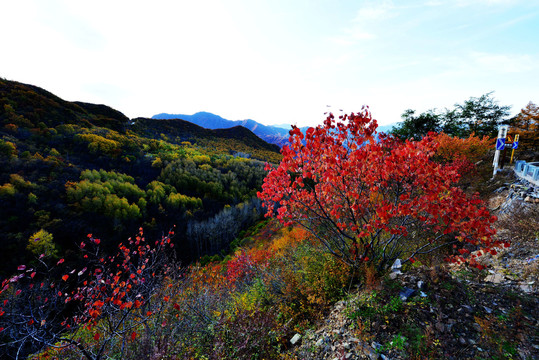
500	144
515	144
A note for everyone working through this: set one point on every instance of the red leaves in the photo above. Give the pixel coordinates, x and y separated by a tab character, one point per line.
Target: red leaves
108	285
362	188
177	307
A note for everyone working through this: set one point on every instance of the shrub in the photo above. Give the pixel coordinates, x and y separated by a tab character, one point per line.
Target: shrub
372	201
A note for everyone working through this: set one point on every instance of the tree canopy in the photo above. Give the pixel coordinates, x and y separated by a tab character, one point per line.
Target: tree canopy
477	115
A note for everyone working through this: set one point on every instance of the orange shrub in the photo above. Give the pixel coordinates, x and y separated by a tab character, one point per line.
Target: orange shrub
472	148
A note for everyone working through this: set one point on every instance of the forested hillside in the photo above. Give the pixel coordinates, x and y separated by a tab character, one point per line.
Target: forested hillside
73	168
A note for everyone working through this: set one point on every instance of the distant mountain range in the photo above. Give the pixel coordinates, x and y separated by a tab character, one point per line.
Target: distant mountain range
274	134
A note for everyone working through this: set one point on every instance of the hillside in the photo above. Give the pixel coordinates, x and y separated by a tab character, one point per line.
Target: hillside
273	134
73	168
222	284
177	131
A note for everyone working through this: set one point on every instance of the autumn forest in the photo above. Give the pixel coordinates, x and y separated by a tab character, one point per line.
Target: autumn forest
144	238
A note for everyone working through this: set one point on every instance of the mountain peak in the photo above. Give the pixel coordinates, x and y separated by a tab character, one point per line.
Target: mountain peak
272	134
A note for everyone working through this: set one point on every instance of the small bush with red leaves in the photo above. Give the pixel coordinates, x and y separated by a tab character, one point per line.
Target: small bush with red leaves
373	200
93	309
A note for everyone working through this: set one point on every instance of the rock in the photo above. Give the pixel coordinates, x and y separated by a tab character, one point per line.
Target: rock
462	341
488	310
295	339
376	345
468	308
420	284
476	327
440	327
397	265
496	278
406	293
319	342
370	352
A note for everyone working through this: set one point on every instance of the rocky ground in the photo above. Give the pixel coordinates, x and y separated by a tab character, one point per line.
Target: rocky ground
447	312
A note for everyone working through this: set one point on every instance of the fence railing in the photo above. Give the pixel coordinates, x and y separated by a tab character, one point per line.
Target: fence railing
529	171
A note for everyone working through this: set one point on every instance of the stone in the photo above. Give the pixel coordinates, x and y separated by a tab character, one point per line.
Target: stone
496	278
468	308
406	293
397	265
370	353
295	339
462	341
476	327
440	327
488	310
319	342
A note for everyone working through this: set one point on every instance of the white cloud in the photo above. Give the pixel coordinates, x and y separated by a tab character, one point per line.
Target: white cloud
380	10
465	3
503	63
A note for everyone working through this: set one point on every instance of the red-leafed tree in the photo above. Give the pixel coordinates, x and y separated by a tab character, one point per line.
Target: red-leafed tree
98	308
369	199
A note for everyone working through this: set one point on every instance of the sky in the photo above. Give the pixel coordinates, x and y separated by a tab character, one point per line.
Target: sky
275	61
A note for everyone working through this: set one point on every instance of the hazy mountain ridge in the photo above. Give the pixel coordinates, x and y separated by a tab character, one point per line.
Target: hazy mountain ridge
274	134
187	131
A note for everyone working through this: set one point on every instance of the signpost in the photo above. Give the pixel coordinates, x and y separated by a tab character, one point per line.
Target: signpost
515	146
500	145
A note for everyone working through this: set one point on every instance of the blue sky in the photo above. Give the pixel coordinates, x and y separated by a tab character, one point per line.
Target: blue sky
274	61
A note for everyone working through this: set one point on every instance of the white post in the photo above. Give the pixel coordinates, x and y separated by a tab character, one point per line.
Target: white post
502	134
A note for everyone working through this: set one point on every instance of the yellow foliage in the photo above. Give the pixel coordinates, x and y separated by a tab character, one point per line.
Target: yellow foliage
7	190
42	242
